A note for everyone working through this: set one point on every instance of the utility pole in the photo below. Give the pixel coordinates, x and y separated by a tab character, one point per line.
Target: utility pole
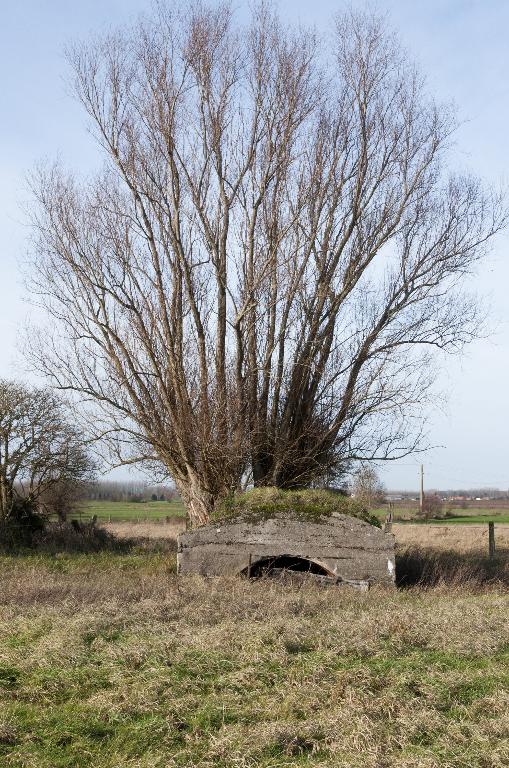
421	495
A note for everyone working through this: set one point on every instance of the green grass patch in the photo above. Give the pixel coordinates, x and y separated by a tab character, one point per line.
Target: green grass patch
132	511
87	566
469	519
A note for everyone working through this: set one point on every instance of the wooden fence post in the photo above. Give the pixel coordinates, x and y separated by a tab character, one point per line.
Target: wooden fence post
491	539
388	520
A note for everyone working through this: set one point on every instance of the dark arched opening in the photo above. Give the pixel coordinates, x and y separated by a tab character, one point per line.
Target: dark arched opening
285	564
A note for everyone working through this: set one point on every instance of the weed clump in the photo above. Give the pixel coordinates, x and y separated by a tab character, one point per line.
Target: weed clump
428	568
311	505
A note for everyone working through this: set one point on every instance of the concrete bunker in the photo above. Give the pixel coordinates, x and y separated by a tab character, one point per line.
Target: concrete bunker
334	549
273	566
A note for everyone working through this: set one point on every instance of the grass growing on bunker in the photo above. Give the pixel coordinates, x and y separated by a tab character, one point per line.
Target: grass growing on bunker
306	505
108	660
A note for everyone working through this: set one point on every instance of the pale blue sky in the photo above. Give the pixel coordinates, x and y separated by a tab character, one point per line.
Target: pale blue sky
461	45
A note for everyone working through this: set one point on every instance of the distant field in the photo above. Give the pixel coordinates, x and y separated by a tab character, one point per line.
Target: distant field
460	516
501	517
126	510
152	510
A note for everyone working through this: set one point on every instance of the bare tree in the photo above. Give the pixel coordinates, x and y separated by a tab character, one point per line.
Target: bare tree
253	285
367	487
63	498
40	452
432	506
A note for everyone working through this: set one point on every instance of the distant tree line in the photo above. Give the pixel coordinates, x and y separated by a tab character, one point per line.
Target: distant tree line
129	491
453	494
474	493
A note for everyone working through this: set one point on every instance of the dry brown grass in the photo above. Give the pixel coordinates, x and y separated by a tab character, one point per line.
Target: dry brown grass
454	537
109	664
109	659
148	529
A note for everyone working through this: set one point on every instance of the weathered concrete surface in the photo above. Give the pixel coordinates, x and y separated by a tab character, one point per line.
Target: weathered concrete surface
345	547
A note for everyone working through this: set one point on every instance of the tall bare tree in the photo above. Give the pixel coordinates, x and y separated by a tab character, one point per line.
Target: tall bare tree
40	451
254	282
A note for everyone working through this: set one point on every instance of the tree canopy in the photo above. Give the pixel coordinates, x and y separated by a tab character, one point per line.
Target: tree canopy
41	453
254	284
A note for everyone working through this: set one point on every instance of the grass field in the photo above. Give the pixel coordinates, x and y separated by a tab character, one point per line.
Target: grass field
124	510
153	510
503	517
108	660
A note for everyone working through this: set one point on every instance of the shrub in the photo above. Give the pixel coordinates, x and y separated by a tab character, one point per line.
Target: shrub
309	504
22	524
431	507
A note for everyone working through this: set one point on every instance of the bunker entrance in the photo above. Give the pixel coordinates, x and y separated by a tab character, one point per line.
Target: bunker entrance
286	565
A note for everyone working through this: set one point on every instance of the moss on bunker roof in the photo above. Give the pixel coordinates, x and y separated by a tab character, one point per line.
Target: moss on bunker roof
306	505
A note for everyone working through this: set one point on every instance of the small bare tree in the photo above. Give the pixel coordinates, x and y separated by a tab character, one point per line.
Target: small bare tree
63	498
40	452
253	284
367	487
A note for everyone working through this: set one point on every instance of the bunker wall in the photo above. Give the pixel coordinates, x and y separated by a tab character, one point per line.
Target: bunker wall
344	546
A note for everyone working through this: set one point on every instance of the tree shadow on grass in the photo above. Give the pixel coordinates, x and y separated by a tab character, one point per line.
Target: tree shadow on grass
68	538
427	567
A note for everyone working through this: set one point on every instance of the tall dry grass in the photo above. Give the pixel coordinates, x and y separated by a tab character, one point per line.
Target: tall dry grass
147	529
454	537
109	659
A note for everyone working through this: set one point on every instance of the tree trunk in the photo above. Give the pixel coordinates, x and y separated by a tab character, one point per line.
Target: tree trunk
199	502
5	500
